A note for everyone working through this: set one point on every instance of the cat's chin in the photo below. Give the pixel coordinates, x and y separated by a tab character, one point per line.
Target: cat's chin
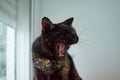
61	49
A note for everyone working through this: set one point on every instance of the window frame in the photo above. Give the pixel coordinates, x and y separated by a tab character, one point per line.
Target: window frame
9	51
23	41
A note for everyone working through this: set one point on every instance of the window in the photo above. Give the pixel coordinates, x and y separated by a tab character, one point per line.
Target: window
7	52
15	40
8	22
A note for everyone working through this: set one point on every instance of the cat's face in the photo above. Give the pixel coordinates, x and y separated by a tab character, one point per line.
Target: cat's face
58	37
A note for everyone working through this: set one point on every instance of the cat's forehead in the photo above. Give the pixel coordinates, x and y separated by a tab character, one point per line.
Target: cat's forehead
62	26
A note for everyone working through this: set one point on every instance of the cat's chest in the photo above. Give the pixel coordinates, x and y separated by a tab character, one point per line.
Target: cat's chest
50	66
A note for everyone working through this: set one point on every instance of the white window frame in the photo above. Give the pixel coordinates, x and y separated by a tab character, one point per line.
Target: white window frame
23	50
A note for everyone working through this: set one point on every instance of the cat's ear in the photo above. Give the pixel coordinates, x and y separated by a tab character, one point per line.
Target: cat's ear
68	21
46	23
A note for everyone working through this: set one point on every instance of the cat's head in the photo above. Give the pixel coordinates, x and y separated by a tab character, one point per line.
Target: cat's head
58	37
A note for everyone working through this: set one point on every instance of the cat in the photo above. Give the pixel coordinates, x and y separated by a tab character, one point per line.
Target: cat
51	60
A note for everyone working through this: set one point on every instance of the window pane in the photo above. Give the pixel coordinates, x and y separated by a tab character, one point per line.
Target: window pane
7	52
3	33
10	54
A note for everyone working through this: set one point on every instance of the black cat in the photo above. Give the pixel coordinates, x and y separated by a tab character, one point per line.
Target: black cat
50	57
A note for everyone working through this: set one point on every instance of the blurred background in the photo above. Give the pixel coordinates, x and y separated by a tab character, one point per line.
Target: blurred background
97	22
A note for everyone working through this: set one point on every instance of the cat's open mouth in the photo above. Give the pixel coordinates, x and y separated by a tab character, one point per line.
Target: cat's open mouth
61	48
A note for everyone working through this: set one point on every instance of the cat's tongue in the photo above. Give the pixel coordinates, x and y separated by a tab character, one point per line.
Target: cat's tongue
61	49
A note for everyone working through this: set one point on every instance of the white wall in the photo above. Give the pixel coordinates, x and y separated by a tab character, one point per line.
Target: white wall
97	55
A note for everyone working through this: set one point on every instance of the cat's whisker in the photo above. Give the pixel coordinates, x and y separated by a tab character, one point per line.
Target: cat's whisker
82	32
84	41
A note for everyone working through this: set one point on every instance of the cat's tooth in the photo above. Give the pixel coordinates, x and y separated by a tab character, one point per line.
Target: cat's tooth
61	55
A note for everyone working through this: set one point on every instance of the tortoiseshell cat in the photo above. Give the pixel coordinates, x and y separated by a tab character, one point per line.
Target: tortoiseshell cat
51	60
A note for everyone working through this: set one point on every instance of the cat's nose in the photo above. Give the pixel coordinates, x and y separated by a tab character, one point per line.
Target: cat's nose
72	39
75	38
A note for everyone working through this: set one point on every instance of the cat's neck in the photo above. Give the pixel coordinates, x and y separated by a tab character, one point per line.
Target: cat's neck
45	50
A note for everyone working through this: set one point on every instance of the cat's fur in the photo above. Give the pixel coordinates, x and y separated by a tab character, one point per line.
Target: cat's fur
51	60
